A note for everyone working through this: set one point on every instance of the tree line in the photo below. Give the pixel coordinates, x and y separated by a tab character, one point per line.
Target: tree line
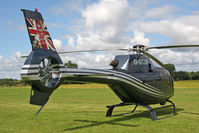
11	82
181	75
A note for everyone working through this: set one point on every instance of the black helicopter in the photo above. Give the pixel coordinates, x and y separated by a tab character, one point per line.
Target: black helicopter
133	78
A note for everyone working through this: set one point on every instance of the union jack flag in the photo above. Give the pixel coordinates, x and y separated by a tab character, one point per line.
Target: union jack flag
38	32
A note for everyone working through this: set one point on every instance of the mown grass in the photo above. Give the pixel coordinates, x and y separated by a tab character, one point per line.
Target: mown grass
82	108
187	84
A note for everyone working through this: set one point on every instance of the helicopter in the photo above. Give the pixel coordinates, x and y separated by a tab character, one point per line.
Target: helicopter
133	78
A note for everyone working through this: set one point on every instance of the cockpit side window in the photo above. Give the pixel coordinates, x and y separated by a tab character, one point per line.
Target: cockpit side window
139	65
150	68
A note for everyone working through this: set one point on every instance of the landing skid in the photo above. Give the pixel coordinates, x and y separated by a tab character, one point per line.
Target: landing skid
149	108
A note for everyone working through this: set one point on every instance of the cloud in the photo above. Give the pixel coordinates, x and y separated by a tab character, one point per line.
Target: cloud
161	12
181	29
102	29
10	67
139	38
108	21
57	44
90	60
106	12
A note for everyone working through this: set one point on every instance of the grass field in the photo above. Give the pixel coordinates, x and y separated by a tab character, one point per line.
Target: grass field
82	109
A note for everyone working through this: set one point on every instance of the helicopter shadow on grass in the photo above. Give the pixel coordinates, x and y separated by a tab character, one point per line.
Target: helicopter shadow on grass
139	114
98	123
192	113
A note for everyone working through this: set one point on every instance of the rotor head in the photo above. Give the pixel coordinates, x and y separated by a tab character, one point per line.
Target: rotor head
139	48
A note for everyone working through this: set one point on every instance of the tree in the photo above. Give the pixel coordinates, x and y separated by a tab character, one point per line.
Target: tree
195	75
171	68
69	64
182	75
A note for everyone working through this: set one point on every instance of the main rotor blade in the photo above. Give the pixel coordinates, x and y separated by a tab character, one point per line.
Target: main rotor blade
80	51
155	59
172	46
24	56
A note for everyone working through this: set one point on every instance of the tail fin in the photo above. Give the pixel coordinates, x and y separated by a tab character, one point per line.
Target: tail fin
42	68
38	32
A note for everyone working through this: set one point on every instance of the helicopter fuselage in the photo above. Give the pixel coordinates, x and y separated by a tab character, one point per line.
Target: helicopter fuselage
133	79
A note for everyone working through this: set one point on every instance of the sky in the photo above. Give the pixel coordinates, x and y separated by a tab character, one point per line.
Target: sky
102	24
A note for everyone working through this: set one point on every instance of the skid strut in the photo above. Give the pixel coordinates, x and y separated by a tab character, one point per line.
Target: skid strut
111	107
149	108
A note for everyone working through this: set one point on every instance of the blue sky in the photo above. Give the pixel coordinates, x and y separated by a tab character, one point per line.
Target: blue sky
91	24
